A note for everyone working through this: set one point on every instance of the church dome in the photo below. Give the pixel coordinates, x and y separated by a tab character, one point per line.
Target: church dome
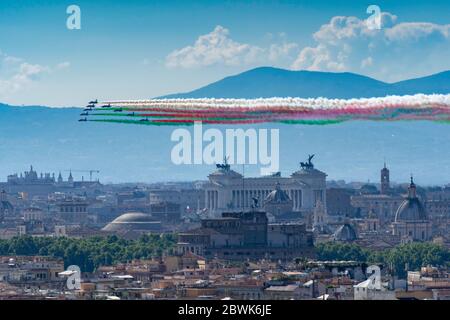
277	196
345	232
133	217
411	208
132	221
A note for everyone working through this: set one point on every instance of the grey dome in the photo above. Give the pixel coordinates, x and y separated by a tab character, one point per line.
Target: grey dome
345	233
135	217
411	209
132	221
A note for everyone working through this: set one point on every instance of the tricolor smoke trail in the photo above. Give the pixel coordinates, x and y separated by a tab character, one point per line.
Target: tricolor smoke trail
314	111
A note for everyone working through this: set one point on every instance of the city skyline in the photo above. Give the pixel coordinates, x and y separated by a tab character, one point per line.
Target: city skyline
76	175
219	156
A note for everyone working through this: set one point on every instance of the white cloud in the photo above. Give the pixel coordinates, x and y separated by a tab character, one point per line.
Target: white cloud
217	48
396	51
280	51
16	74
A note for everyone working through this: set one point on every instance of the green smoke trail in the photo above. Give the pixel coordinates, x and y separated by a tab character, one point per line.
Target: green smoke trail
114	115
147	123
313	122
193	118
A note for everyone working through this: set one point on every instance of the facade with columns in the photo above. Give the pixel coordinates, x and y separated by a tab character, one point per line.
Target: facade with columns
229	191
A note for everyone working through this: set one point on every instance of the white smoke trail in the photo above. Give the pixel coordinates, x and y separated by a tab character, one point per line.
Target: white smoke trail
406	101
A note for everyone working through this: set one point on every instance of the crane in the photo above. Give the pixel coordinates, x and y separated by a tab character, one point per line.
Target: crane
90	172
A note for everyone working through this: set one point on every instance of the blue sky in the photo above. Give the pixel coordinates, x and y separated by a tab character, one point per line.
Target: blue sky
141	49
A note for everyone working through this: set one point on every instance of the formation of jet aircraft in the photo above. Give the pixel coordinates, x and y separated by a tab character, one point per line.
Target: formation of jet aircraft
93	104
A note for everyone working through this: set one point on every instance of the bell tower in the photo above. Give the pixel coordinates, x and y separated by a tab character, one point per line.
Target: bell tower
385	184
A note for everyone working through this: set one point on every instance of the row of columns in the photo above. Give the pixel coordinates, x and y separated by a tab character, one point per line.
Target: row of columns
243	198
212	199
296	197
